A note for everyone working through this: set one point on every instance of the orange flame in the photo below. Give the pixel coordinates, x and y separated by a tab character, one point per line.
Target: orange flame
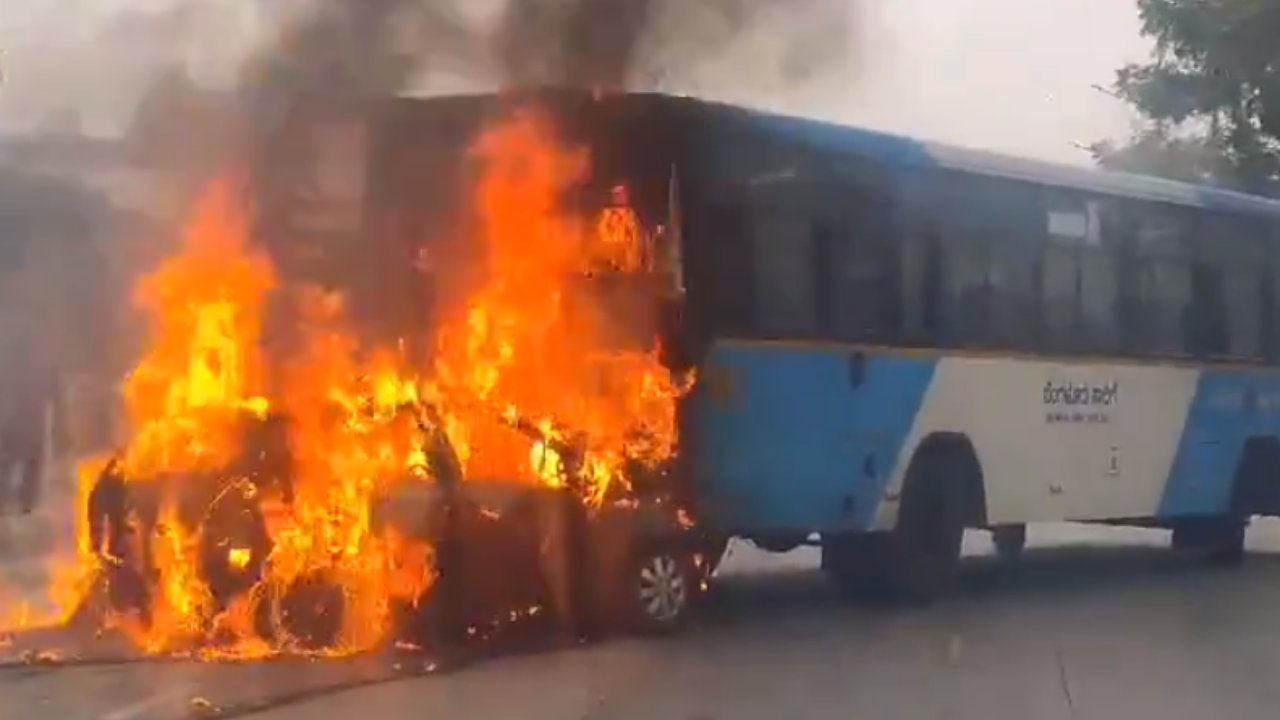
535	342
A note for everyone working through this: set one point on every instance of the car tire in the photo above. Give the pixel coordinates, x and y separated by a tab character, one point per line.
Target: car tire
309	613
659	591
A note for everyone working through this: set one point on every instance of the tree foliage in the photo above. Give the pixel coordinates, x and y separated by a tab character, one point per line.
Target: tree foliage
1209	98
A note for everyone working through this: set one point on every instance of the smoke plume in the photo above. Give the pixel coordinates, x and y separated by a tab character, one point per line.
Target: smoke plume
348	51
655	44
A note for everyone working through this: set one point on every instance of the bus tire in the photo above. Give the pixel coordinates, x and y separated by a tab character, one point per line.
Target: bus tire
928	535
1219	539
1228	551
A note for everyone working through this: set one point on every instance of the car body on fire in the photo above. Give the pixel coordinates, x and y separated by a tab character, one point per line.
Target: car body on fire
504	551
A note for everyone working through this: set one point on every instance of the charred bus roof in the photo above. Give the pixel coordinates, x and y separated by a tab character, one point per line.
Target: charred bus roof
674	122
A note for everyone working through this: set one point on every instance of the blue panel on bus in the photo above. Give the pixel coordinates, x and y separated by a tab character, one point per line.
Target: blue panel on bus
787	443
1229	407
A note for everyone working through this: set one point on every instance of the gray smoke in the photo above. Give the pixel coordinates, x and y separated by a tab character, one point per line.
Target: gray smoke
656	44
350	51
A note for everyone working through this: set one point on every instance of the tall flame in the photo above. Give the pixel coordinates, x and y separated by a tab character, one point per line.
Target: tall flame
203	366
532	339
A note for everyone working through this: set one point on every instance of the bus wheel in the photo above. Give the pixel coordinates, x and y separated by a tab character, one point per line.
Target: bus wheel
927	537
1010	541
1221	539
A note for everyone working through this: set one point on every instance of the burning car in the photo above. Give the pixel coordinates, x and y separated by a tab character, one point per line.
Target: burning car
463	557
627	562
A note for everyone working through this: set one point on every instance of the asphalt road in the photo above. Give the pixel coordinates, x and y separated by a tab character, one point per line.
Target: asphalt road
1095	624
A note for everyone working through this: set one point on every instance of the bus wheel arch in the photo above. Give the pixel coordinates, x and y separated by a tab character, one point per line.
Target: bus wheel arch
942	494
1254	491
950	457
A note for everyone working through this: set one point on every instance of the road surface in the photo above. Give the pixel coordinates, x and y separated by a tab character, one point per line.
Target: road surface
1099	624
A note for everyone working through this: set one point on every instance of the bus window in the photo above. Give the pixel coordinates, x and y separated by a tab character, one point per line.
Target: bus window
857	269
782	249
1234	259
1100	285
1059	297
1078	279
921	285
989	263
1161	272
966	289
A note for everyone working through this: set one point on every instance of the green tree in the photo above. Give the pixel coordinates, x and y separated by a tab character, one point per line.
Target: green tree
1210	97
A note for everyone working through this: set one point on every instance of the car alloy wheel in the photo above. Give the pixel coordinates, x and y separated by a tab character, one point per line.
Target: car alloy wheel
663	589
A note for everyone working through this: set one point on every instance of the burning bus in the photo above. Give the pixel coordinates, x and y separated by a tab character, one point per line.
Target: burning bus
427	382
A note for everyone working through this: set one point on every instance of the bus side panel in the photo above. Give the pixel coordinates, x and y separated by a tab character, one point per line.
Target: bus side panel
1057	440
1229	407
792	437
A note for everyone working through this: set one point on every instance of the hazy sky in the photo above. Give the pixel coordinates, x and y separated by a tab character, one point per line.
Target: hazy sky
1010	75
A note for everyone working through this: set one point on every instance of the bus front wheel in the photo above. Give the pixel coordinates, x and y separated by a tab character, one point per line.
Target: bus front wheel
928	536
916	561
1220	539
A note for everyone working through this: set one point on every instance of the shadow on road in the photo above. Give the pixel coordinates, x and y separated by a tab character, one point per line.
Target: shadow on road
1046	576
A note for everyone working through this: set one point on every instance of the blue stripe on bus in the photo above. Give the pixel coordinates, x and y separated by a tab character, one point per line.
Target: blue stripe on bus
1229	407
786	443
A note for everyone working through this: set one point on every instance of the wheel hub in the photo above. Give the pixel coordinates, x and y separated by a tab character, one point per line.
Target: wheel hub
663	589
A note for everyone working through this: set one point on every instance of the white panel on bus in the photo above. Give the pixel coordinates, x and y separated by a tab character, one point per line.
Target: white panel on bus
1058	440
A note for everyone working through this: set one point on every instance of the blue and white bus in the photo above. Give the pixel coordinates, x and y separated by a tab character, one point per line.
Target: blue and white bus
906	339
895	341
